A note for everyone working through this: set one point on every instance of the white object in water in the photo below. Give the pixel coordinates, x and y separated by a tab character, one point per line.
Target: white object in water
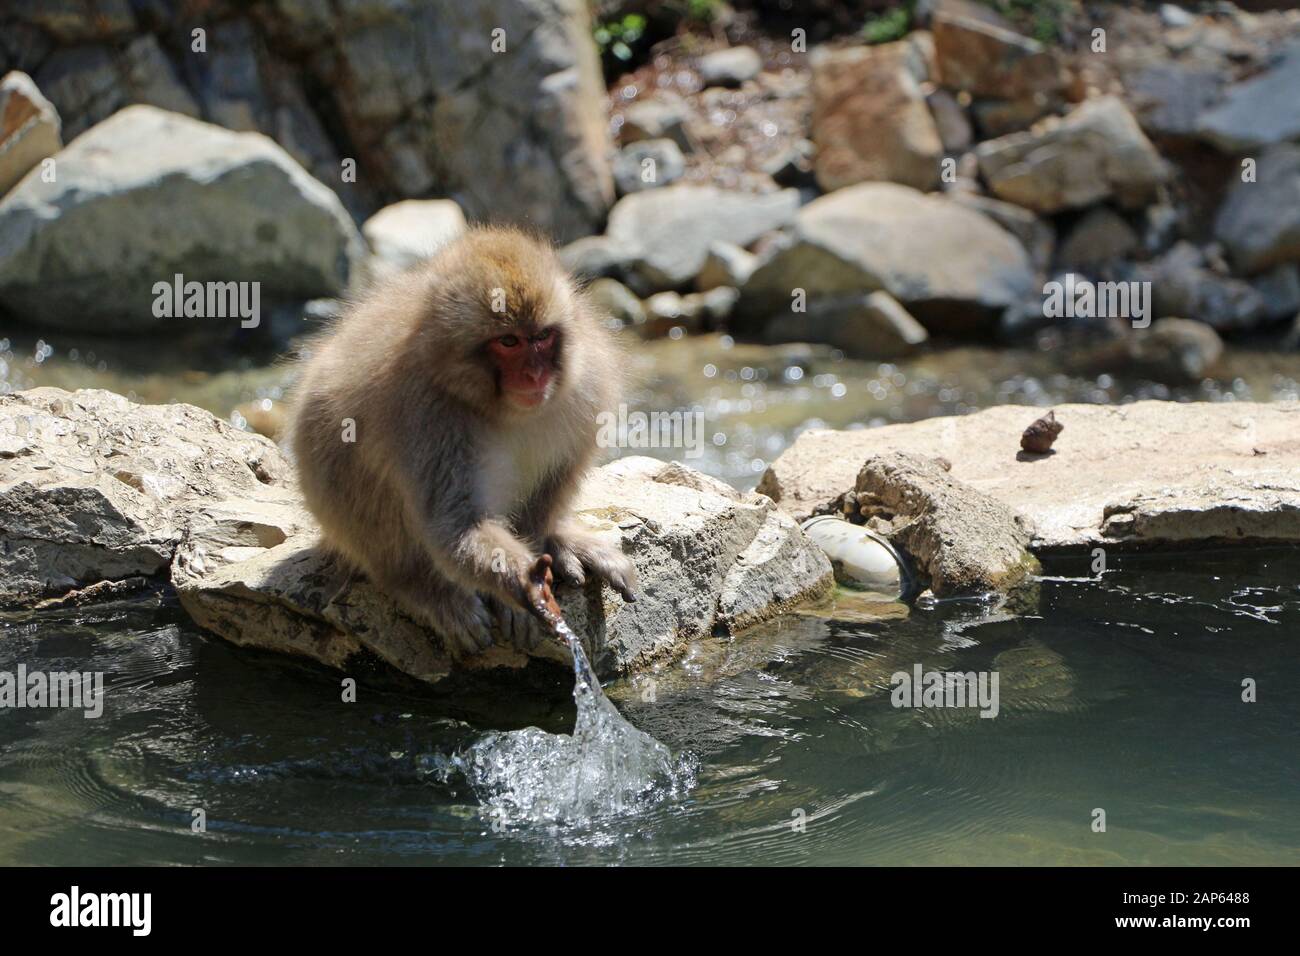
861	557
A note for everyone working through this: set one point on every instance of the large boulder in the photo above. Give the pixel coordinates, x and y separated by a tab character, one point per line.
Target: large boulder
94	488
949	265
29	128
870	118
498	104
1260	112
1145	474
86	250
1096	152
670	229
988	59
1259	222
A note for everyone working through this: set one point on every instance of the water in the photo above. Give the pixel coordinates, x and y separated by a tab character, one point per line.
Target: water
1121	693
605	768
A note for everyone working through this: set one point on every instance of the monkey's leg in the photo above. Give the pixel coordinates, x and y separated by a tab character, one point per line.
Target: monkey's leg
459	615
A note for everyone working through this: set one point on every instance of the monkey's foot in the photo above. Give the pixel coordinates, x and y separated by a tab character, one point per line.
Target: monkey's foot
465	621
577	554
518	627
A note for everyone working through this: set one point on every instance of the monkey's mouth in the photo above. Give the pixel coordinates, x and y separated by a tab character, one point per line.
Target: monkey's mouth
529	397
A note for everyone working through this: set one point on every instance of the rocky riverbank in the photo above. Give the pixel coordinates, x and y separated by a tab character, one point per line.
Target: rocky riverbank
96	489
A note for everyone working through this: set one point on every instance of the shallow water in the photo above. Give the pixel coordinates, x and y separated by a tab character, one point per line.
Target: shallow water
1121	693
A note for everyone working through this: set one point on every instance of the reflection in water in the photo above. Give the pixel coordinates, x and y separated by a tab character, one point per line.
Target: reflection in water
1122	692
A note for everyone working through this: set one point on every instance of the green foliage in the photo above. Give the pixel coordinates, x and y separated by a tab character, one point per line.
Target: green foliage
617	37
1042	19
888	26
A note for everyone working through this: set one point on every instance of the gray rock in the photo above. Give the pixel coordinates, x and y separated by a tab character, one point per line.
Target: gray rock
647	164
1183	287
1148	473
1259	222
1035	234
950	120
663	117
725	264
150	78
84	84
252	215
947	264
1096	152
870	119
870	326
1260	112
592	257
617	301
1172	15
80	21
961	540
1169	98
1280	291
408	232
730	67
1174	351
1101	236
97	489
672	228
29	128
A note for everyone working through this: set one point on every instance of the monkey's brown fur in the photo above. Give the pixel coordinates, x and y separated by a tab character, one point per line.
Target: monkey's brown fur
448	493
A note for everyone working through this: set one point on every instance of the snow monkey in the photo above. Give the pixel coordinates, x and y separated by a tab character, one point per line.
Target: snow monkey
442	425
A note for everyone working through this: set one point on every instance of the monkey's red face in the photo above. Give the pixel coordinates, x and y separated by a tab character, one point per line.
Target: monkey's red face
526	366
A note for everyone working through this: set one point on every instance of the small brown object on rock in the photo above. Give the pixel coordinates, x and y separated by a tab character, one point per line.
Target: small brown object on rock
1039	436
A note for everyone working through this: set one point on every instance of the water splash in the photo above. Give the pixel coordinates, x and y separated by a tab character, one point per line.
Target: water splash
606	768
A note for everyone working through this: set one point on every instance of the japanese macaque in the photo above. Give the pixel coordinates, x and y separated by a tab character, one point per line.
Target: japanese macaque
442	426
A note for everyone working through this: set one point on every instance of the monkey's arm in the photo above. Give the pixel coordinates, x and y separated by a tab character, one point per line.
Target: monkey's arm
473	549
546	519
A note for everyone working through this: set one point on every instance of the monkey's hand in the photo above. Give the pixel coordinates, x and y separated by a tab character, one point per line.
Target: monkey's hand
577	553
493	561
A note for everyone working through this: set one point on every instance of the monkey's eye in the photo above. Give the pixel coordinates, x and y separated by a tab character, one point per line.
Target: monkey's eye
509	342
544	336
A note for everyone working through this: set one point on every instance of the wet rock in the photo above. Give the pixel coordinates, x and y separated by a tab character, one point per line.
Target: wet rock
730	67
989	60
646	164
1096	152
1148	473
1259	222
408	232
29	128
960	539
948	265
253	215
867	326
870	119
1259	112
671	229
1101	236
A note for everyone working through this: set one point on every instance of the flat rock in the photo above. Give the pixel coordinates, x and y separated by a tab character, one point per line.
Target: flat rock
870	325
647	164
86	250
94	488
1150	473
1257	113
